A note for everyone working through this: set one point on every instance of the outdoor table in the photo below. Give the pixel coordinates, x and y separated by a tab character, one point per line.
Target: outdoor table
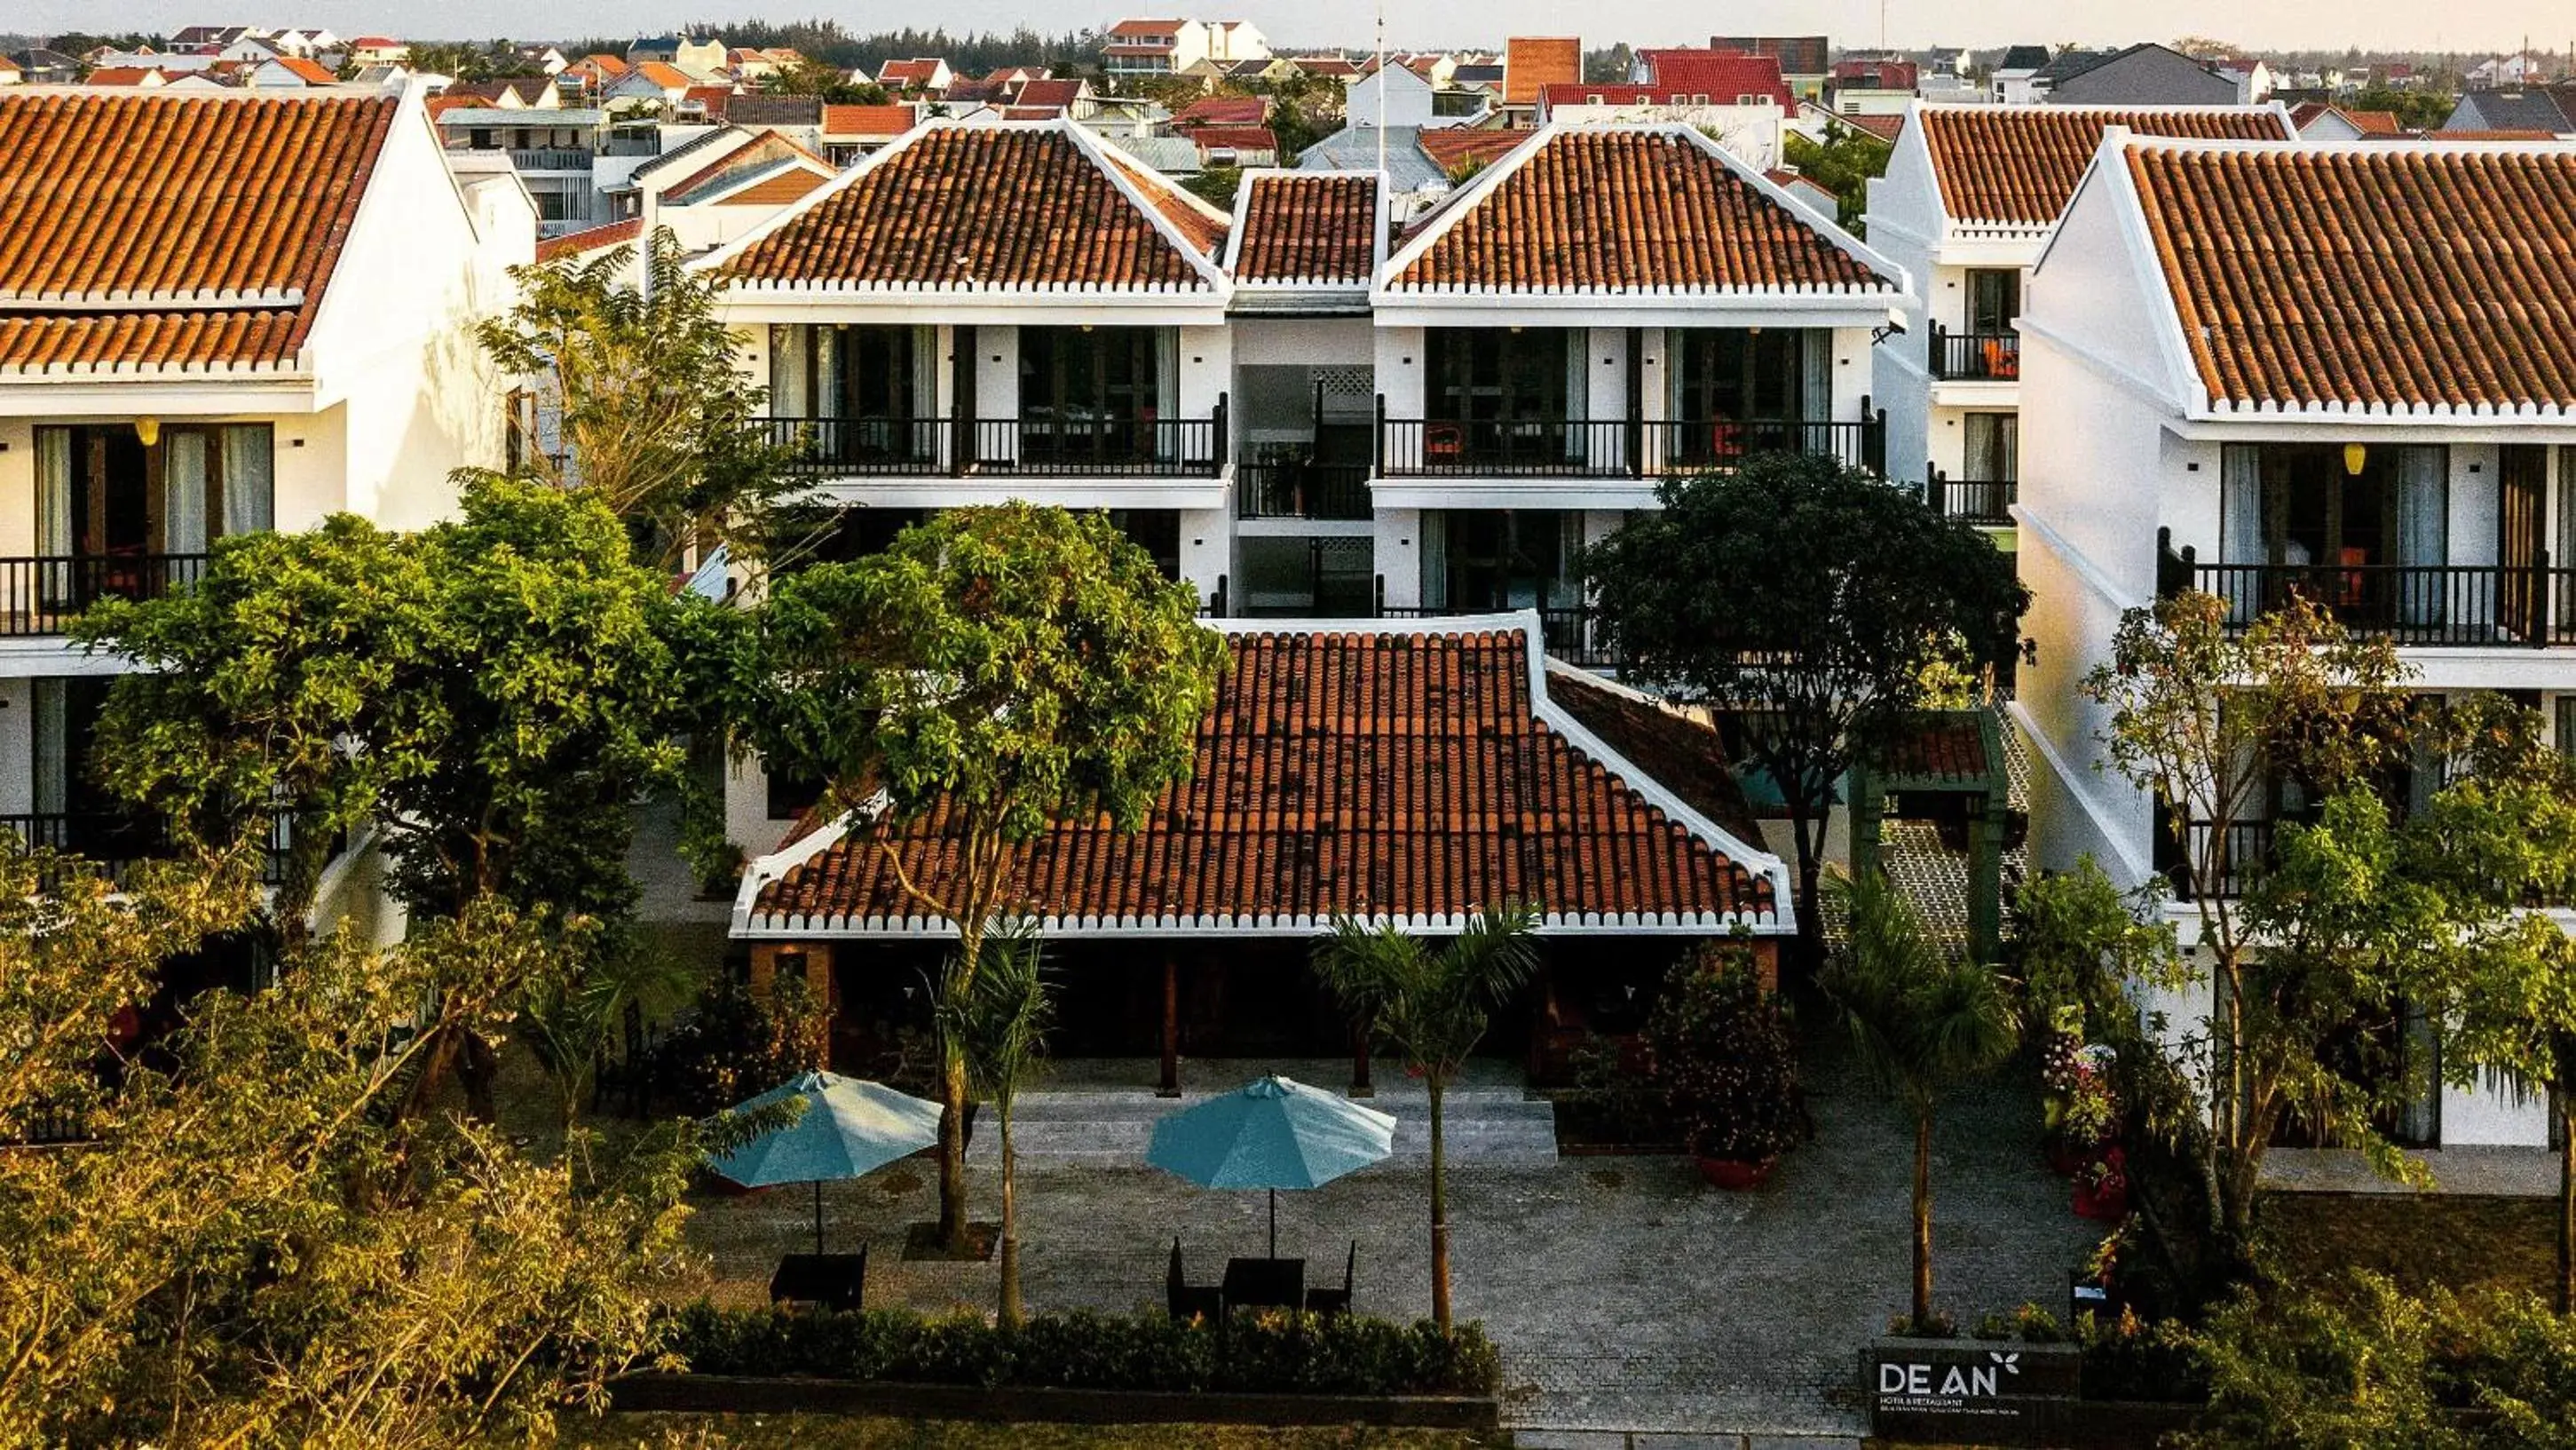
1265	1283
834	1281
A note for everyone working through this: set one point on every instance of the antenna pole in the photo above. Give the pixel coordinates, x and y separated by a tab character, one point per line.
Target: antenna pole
1381	86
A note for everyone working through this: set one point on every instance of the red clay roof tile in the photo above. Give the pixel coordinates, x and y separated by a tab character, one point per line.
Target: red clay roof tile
1400	774
2018	165
1628	210
986	206
1316	227
2383	276
155	200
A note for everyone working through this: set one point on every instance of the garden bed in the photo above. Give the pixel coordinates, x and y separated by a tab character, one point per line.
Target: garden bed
780	1395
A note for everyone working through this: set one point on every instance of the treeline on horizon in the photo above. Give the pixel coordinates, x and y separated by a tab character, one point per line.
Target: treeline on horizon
829	43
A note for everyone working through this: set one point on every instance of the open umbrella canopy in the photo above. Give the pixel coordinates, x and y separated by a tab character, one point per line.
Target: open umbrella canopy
850	1128
1274	1133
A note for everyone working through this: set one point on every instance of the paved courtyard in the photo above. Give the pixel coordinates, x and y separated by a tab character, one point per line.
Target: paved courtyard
1624	1294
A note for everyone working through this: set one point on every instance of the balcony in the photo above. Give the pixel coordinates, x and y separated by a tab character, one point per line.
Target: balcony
2252	847
42	595
119	840
2509	606
1322	491
1624	449
550	159
1030	447
1986	502
1975	357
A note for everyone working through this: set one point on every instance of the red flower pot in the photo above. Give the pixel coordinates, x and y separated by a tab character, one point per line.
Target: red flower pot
1735	1174
2104	1193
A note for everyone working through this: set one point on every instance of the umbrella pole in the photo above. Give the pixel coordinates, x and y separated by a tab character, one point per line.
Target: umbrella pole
818	1218
1274	1225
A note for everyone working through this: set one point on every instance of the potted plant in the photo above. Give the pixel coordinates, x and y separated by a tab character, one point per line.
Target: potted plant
2102	1188
1723	1058
2090	1120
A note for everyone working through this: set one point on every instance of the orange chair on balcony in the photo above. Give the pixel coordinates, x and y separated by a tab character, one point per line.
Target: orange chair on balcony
2003	361
1443	442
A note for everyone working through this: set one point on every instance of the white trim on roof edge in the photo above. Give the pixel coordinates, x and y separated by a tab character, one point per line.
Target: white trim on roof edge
751	924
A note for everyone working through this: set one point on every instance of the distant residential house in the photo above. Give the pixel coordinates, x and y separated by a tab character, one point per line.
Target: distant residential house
924	75
1236	40
289	73
209	39
2146	74
379	50
2255	79
2015	79
652	80
1744	116
2319	121
1038	100
850	132
38	66
713	103
309	44
1174	47
797	117
1717	77
2549	109
1236	145
698	55
1394	96
128	77
1806	61
748	65
1330	67
553	151
511	93
11	73
1872	87
1221	111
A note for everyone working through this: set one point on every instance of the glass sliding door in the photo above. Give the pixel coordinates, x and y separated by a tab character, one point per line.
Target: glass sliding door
1502	399
115	515
2362	530
1495	559
864	395
1095	398
1739	390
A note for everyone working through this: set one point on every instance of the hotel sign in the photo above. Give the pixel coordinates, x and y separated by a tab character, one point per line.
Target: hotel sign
1972	1391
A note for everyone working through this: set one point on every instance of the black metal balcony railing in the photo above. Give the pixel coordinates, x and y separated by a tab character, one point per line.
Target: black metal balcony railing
118	840
1573	634
829	446
2249	846
2413	604
42	594
1627	448
1976	357
1979	501
1301	490
1038	445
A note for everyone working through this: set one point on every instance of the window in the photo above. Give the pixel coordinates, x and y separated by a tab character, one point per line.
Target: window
1483	374
1739	374
1994	298
1993	448
2330	519
103	493
1501	559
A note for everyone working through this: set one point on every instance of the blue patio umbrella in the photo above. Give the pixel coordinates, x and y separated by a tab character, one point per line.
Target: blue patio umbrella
850	1128
1275	1133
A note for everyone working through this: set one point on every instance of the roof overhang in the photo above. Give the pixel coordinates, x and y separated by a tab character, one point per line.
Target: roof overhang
127	391
1413	307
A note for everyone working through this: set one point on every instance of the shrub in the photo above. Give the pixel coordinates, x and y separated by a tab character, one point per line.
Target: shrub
2129	1358
1723	1056
1267	1353
736	1042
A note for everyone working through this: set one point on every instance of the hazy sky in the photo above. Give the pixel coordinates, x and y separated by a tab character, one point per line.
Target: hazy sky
2459	25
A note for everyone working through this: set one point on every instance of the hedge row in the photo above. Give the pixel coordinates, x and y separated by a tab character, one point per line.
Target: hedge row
1258	1353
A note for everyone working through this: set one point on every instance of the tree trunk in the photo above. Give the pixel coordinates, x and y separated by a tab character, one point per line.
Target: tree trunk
1010	1221
1808	830
2566	1201
1439	1210
952	1146
482	1070
1922	1219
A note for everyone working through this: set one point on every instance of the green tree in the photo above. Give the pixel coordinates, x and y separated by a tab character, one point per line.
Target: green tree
1005	665
2204	717
1922	1022
1841	594
1843	163
1216	185
488	697
1430	1007
1004	1022
258	1249
831	84
655	416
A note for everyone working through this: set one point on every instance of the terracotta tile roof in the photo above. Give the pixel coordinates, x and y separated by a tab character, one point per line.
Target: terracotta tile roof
2017	165
1626	210
1310	227
714	99
1147	27
2386	276
909	72
1531	61
1221	111
867	121
312	73
1234	138
128	213
1023	207
1882	127
590	239
1682	753
1720	75
1417	775
1939	747
2494	136
1453	147
768	154
665	75
1049	93
125	75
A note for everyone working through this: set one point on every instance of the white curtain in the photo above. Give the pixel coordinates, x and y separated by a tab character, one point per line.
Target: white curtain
827	344
789	395
183	491
1565	587
2240	523
1816	374
2423	531
1167	393
250	481
53	491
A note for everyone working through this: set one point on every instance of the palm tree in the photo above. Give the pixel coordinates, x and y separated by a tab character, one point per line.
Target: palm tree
1002	1023
1429	1008
1922	1020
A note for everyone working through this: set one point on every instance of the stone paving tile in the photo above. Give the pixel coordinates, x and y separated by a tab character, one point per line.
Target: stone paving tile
1625	1295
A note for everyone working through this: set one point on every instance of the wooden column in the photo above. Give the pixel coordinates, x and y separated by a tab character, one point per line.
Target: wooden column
1361	1087
1170	1086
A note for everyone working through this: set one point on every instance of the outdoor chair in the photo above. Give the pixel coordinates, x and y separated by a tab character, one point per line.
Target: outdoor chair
821	1281
1188	1301
1336	1301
